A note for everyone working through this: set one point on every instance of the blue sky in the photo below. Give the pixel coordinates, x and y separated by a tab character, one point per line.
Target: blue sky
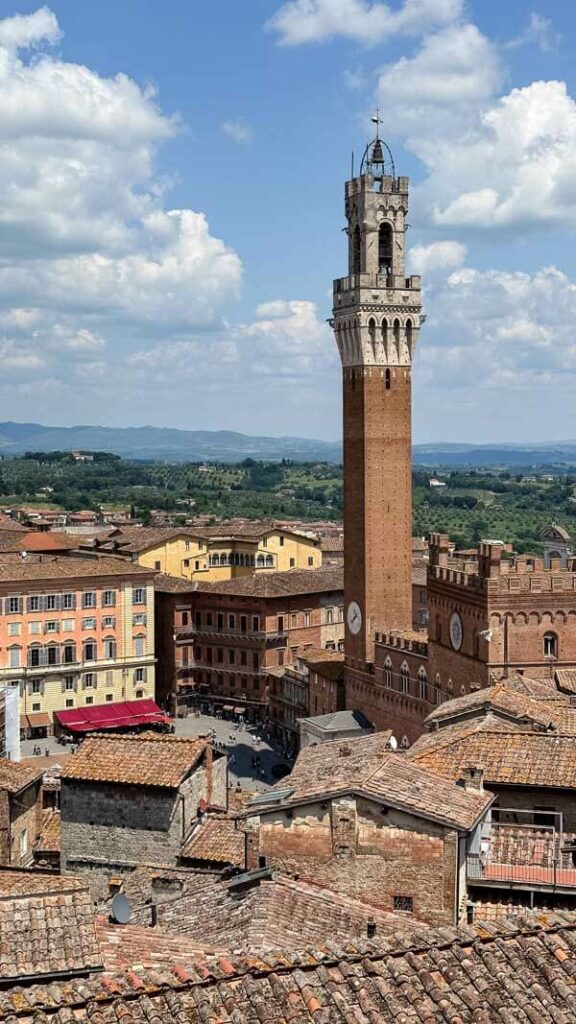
172	176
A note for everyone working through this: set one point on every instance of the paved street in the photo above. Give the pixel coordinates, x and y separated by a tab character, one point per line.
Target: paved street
241	744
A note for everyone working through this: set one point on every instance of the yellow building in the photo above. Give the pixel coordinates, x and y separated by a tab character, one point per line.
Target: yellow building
217	553
75	632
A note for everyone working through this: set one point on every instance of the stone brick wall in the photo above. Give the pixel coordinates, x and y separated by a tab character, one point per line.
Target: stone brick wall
25	815
351	845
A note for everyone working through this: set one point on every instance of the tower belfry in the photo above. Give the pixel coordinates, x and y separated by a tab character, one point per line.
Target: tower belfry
376	318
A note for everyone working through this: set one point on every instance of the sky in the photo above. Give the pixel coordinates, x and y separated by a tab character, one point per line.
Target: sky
171	215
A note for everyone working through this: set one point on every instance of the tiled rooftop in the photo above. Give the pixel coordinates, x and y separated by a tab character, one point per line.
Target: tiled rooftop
278	913
217	841
514	756
49	839
264	584
514	971
131	946
511	699
46	926
365	765
566	679
15	775
56	568
144	760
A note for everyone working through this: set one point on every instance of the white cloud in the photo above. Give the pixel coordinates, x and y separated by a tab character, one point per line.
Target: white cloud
540	31
438	256
28	30
493	162
306	21
494	330
88	252
239	130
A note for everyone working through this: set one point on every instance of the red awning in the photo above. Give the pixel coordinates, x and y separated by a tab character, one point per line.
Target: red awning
35	720
122	715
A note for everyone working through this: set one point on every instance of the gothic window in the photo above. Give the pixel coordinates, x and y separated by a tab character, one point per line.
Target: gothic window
388	380
260	561
372	335
405	677
422	682
356	250
388	672
409	336
385	334
396	333
550	645
385	249
269	561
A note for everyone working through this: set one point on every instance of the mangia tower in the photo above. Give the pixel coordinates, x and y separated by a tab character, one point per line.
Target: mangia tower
376	319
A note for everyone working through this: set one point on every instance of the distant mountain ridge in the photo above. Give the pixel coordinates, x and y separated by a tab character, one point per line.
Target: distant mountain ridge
168	444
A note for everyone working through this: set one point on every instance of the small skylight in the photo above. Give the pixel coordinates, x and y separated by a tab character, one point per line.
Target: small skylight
273	796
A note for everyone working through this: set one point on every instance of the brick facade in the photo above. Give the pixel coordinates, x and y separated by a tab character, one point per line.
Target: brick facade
386	858
20	824
224	644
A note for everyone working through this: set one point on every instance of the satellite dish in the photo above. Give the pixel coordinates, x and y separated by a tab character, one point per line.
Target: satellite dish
121	909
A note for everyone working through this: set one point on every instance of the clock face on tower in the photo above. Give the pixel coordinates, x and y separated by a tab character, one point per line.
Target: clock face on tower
354	617
456	631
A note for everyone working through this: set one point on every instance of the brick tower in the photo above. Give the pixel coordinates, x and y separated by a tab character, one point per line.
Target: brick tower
376	319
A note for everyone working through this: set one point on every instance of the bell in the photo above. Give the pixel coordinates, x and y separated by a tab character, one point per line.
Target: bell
377	154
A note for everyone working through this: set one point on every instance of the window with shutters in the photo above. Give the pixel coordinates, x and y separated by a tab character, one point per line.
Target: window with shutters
109	677
13	605
140	675
139	619
69	654
89	680
90	650
14	657
14	628
88	623
68	682
67	625
138	595
36	686
34	603
109	648
34	657
139	646
51	602
68	601
35	627
109	598
52	655
109	621
89	599
51	626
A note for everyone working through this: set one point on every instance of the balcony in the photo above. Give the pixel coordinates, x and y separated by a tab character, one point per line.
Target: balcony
526	856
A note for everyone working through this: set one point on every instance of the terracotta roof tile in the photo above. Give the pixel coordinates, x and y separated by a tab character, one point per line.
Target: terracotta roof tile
145	760
264	584
15	775
56	568
513	971
49	839
507	756
366	765
566	679
510	699
46	926
217	841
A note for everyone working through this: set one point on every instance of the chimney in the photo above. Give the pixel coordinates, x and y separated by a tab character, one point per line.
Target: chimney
345	751
471	779
370	928
153	915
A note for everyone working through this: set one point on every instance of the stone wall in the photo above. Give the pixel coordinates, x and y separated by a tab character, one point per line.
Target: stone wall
120	824
25	815
368	852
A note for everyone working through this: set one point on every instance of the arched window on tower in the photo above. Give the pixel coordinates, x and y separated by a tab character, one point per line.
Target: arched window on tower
405	677
388	672
550	645
422	683
385	249
385	335
356	251
409	336
396	335
372	335
388	380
